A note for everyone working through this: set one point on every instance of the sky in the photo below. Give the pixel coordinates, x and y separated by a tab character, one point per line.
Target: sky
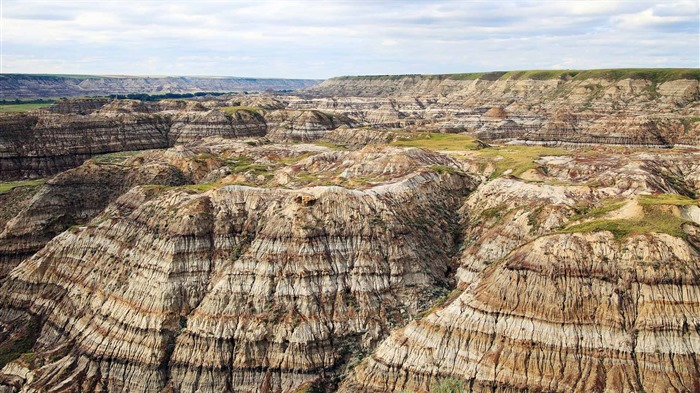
320	39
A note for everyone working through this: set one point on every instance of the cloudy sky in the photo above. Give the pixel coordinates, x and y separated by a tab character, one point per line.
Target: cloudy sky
320	39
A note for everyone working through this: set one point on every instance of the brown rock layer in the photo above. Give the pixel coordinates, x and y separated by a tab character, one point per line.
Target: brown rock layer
237	287
564	313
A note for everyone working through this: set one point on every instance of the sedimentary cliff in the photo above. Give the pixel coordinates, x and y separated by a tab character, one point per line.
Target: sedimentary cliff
650	108
52	86
301	295
38	145
299	243
45	142
627	107
272	267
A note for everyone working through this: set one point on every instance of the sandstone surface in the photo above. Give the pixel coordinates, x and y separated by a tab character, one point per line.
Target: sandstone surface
370	234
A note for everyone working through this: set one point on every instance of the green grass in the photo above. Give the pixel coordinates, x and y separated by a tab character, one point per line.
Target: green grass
115	158
440	169
519	159
656	220
667	199
656	75
434	141
607	206
447	385
7	186
13	108
230	110
540	74
489	76
330	145
202	187
245	164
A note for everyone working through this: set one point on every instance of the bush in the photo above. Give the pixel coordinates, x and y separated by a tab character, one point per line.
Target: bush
447	385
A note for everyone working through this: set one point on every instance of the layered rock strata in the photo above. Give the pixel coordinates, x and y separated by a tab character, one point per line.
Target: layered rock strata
541	306
39	145
43	143
571	312
25	86
588	108
241	260
254	287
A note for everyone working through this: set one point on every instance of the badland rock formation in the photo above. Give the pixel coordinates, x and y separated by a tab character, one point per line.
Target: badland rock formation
28	86
369	234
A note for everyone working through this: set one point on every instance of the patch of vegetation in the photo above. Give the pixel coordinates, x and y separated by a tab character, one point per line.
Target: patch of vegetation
166	96
657	75
657	219
230	110
201	187
293	159
330	145
435	141
652	90
533	218
245	164
607	206
540	74
493	212
305	177
442	169
488	76
667	199
22	107
518	159
115	158
7	186
688	122
447	385
28	357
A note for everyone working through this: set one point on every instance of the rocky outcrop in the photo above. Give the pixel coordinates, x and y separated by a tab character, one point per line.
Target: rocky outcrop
654	108
43	143
587	107
358	137
588	315
540	306
72	198
278	247
237	288
83	106
193	126
49	86
302	125
38	145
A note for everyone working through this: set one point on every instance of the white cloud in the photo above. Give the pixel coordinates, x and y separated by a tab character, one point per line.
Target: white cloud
318	38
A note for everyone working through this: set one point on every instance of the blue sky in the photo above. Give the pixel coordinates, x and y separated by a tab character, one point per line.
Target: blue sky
320	39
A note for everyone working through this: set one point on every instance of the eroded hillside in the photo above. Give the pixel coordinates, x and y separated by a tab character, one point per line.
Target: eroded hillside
283	244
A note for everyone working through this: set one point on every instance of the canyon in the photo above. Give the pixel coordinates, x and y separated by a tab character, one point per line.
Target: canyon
492	232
